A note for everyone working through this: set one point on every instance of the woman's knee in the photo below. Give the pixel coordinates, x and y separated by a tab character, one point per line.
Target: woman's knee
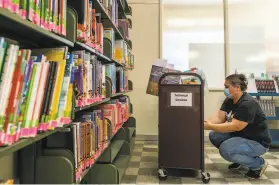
229	149
226	152
215	138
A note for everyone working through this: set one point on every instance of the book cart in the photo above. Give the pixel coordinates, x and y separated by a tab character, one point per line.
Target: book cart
181	132
48	158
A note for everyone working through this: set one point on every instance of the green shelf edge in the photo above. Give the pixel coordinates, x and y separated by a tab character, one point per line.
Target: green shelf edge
31	26
7	150
131	132
84	173
122	10
121	163
78	109
116	146
127	11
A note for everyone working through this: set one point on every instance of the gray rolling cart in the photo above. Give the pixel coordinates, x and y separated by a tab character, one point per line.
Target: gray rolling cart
181	126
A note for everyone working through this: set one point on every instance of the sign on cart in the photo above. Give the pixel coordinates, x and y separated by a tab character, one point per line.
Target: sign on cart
181	99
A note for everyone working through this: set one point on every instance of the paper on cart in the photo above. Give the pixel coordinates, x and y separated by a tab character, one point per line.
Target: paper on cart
193	79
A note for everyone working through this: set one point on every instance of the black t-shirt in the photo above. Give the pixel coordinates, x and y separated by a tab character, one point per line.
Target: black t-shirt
247	109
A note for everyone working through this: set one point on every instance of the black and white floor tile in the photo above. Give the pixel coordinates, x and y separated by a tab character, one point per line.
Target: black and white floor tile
144	163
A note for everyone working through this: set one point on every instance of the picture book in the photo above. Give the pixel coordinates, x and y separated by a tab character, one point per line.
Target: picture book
158	69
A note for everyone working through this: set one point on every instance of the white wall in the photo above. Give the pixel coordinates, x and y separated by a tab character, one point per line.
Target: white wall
145	38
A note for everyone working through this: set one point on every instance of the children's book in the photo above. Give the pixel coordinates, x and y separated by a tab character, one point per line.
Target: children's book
65	88
57	55
5	88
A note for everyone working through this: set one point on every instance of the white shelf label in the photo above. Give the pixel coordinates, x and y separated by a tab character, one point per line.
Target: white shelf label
181	99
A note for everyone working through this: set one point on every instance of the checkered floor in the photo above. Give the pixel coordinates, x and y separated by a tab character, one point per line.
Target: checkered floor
143	168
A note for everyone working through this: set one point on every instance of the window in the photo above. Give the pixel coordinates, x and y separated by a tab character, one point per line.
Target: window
193	36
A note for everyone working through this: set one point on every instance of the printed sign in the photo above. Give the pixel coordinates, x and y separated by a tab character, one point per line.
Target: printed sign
181	99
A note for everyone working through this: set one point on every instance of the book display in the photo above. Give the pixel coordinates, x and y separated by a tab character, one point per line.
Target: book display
265	90
63	80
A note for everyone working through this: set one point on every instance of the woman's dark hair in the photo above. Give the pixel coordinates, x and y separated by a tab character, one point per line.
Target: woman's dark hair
238	79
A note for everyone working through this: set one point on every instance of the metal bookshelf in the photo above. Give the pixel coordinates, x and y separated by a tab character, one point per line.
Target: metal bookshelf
31	153
274	132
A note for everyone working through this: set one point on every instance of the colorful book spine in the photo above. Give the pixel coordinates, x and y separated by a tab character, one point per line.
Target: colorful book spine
5	88
65	88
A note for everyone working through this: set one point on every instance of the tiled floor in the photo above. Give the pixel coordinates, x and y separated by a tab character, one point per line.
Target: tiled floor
143	168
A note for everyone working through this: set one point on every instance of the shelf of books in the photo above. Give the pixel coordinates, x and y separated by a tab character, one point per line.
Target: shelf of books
64	75
265	89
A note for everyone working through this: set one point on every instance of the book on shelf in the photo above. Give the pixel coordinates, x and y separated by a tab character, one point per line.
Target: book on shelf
90	78
48	14
35	91
89	29
124	25
109	33
268	107
90	134
122	54
92	131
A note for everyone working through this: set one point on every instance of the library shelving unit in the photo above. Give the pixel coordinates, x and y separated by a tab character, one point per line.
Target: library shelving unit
274	132
59	155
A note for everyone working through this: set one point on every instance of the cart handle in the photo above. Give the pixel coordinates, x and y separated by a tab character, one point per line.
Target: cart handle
181	74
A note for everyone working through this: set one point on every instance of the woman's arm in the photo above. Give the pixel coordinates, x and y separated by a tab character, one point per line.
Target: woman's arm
218	118
226	127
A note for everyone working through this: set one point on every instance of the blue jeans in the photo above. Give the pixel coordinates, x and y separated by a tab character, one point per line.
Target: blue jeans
239	150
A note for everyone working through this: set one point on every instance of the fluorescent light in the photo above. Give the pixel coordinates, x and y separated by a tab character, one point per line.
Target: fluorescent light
195	22
262	57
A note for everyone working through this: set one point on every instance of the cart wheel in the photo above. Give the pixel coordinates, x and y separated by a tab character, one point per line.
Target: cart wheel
205	177
162	174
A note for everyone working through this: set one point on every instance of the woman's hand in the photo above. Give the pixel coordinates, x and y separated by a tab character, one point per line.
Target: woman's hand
207	125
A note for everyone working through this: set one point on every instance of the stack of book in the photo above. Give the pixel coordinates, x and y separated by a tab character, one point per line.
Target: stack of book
49	14
117	112
89	78
35	90
111	74
124	24
91	132
90	136
89	29
268	106
111	7
122	80
121	52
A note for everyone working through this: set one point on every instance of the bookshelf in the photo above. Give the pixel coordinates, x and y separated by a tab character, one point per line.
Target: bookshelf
50	150
274	132
16	27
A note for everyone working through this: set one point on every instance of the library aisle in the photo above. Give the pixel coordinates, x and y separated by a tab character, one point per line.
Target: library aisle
143	168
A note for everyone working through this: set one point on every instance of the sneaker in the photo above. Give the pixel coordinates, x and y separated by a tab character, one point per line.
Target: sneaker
256	174
234	166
